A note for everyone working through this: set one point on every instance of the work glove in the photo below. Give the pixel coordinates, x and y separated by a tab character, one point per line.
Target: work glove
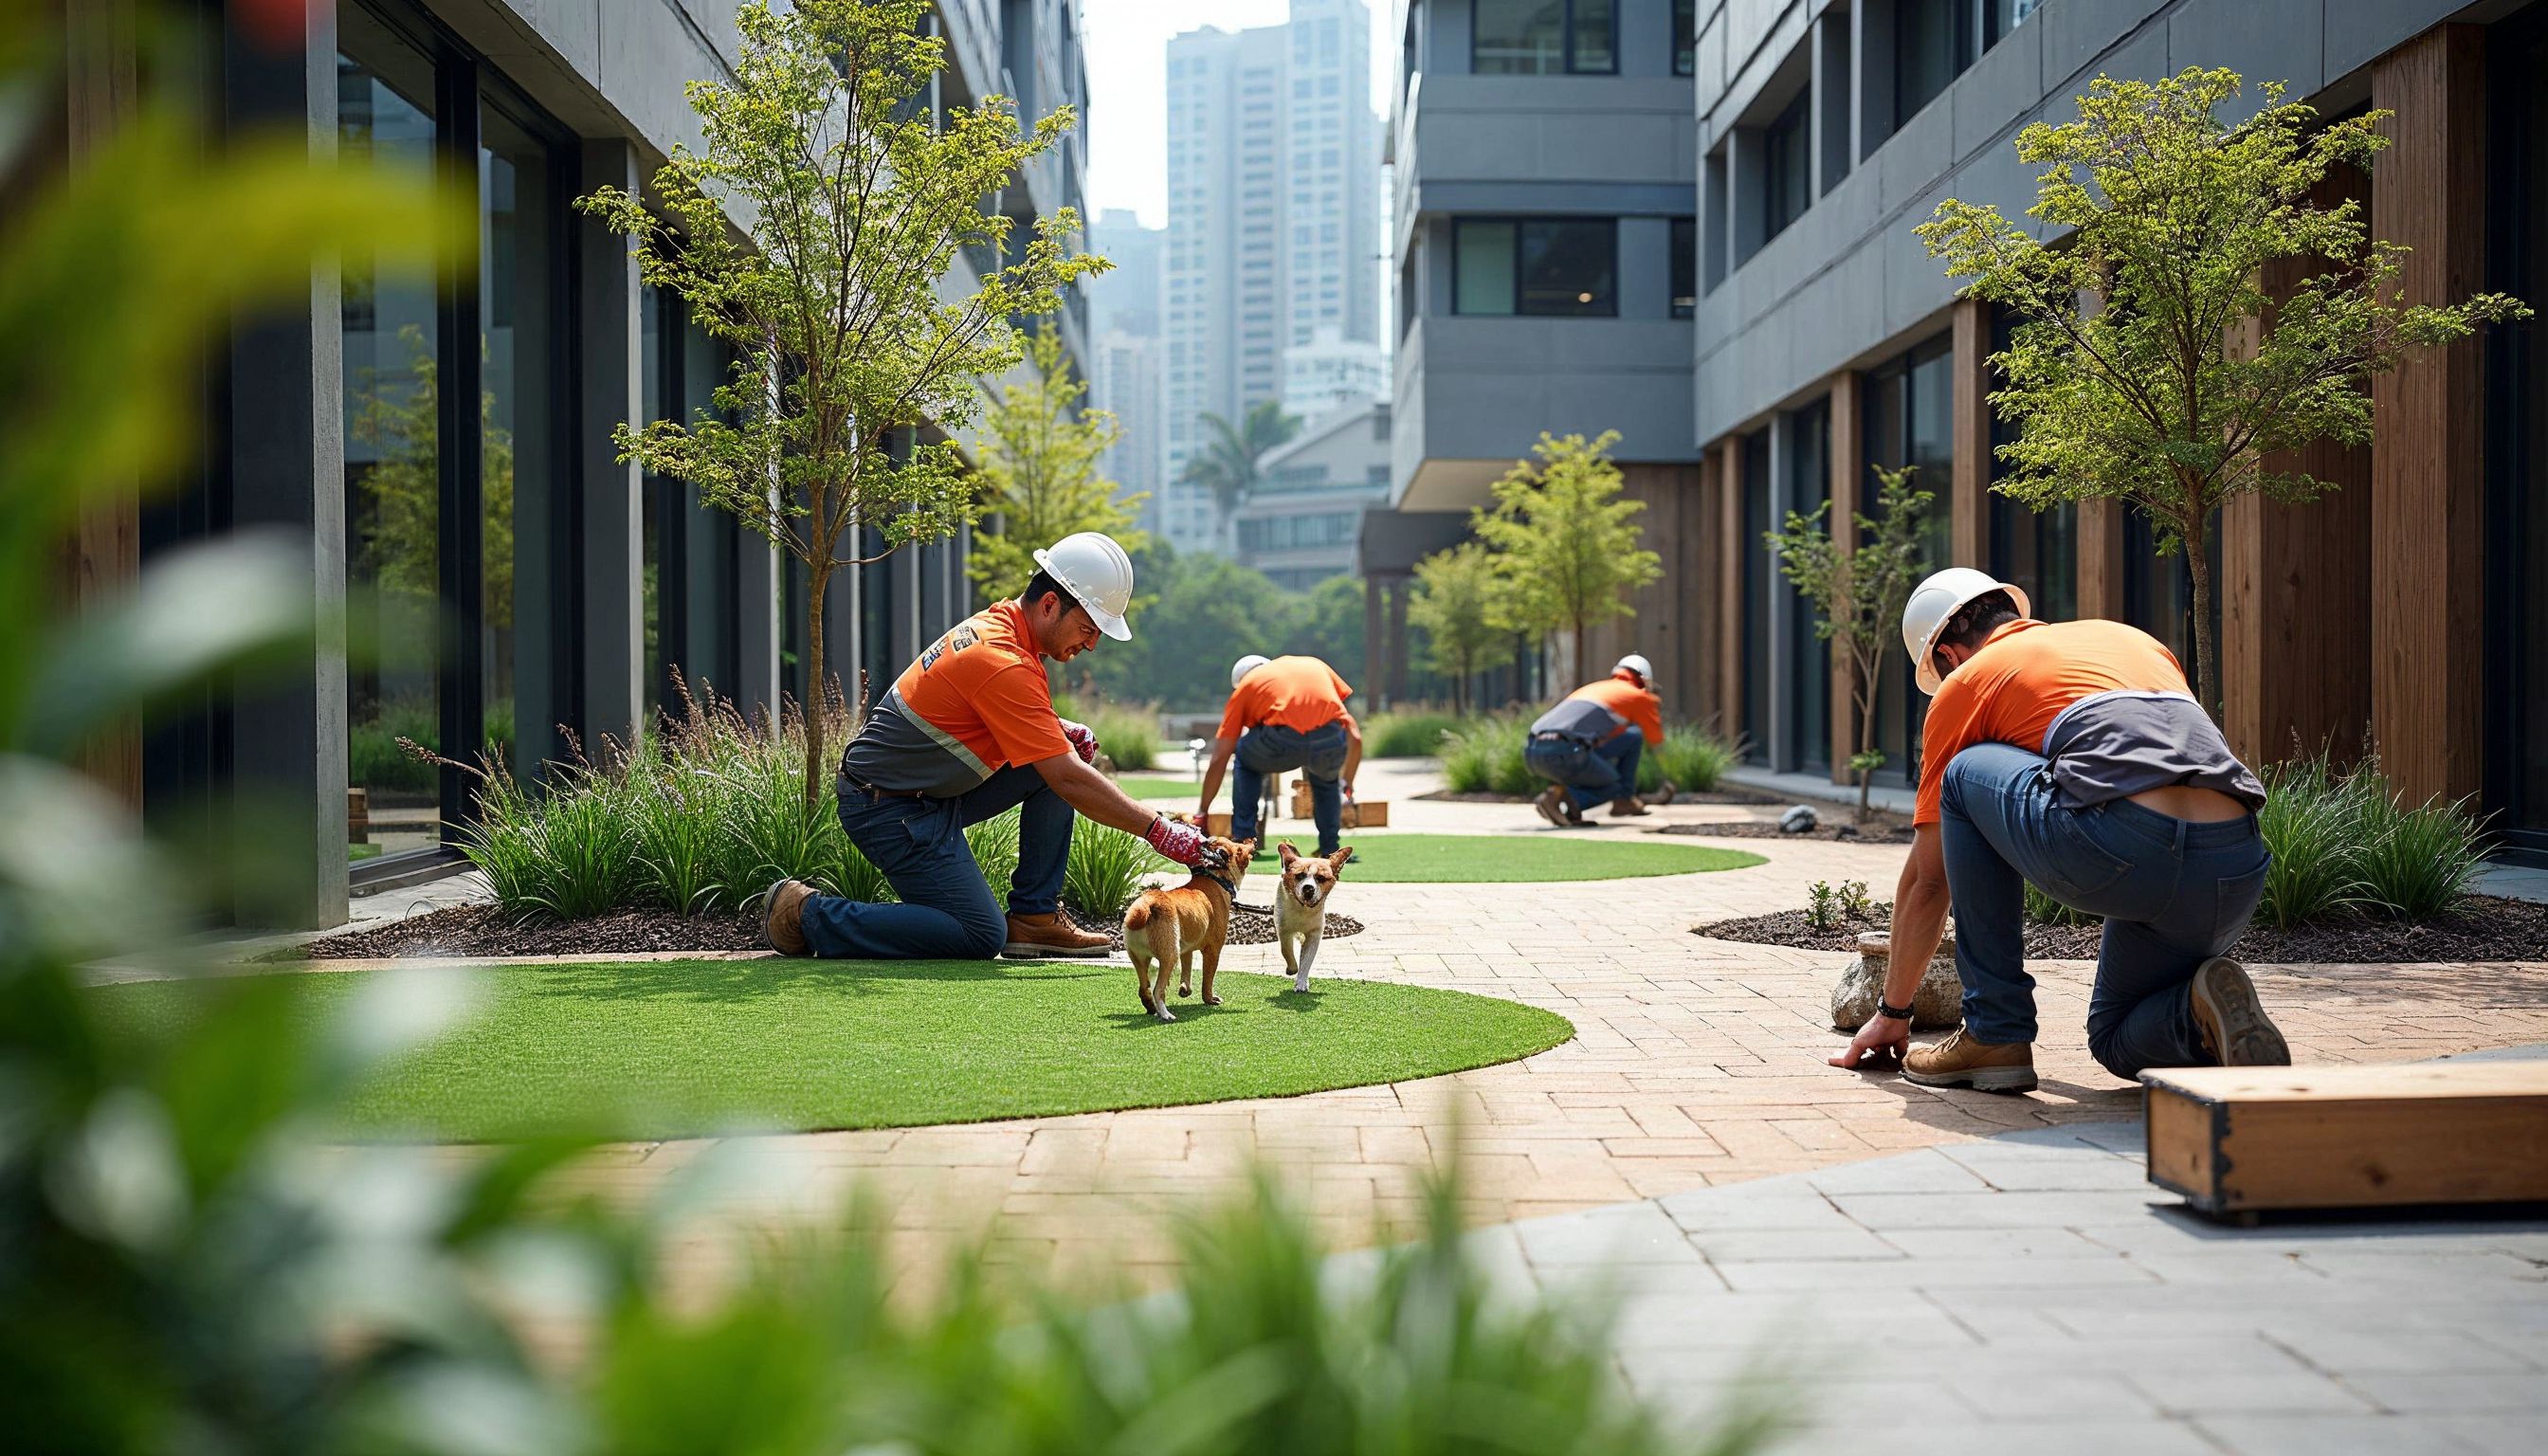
1083	741
1182	843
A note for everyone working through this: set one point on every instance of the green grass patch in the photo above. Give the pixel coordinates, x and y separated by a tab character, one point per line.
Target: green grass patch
680	1049
1479	859
355	853
1166	786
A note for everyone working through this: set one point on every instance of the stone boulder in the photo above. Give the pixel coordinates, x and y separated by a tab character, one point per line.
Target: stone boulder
1937	1005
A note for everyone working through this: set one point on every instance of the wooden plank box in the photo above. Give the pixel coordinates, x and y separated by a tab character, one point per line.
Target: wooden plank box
1359	813
2247	1139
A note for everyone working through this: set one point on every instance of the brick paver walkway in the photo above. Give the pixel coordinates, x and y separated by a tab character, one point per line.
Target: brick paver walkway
1695	1064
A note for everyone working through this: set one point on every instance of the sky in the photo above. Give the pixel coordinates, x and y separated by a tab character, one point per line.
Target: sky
1126	50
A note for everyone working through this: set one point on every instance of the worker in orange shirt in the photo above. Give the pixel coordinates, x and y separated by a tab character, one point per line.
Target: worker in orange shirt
968	732
1286	712
1588	746
2070	754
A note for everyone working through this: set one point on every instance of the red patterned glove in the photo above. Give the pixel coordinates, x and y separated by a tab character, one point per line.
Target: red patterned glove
1182	843
1082	741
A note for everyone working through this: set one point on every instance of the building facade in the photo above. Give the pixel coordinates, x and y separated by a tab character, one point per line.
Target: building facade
2402	609
1332	373
520	585
1124	314
1298	527
1273	209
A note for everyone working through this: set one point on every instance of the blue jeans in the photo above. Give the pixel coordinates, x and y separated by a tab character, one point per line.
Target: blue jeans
2174	894
1272	749
946	912
1609	772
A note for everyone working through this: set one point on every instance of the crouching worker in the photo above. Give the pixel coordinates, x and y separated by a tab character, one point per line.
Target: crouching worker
1284	713
2071	755
1588	746
968	732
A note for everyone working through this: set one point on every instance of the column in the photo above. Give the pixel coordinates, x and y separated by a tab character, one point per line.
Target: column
2101	559
1731	628
1848	472
1968	513
1394	688
608	396
2428	484
757	568
288	471
1377	650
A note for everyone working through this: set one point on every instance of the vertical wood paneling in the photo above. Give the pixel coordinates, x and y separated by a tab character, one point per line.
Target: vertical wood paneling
1847	449
1968	517
2427	469
1704	594
1731	628
2101	559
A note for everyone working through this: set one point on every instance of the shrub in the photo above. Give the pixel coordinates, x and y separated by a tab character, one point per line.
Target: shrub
1106	870
1128	732
994	843
2419	861
2312	825
1417	734
2043	909
374	759
1693	758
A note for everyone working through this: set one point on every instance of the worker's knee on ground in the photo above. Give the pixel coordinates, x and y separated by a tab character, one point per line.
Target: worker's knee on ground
982	938
2106	1044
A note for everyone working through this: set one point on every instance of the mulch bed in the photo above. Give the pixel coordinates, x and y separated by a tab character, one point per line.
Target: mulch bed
2480	928
1686	797
1872	833
485	929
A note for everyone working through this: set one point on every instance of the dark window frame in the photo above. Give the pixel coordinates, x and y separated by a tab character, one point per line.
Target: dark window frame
1517	223
1684	38
1683	272
1566	29
1790	131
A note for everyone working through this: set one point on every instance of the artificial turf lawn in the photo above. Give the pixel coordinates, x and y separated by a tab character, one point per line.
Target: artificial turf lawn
685	1047
1476	859
1163	786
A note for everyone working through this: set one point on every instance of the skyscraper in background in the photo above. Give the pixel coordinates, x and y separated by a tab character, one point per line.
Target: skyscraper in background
1123	313
1273	219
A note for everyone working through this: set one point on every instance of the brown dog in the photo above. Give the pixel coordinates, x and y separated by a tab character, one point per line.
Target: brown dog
1301	909
1173	928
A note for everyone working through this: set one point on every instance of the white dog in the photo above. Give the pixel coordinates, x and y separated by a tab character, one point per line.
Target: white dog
1300	907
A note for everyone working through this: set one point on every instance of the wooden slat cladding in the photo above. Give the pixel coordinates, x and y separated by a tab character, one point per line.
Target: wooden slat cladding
2427	466
2101	559
1732	630
1968	513
1664	626
1848	480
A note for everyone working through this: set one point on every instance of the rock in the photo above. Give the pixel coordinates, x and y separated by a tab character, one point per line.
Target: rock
1799	820
1939	1004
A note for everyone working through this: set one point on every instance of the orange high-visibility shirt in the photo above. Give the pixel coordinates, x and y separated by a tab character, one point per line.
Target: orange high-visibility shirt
1300	692
2025	672
1628	702
974	704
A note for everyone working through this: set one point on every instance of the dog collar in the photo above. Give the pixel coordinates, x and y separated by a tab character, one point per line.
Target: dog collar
1226	887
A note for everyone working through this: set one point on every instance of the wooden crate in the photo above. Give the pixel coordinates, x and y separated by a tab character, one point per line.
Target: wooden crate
2245	1140
1359	813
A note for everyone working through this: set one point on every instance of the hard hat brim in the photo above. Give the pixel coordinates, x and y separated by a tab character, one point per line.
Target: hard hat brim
1924	669
1108	622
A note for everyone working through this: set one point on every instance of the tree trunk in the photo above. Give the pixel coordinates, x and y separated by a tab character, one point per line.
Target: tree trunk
1866	692
818	576
2206	650
1582	671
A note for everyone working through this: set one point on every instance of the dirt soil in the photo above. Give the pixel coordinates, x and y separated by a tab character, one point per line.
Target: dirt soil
485	929
1884	829
2480	928
1686	797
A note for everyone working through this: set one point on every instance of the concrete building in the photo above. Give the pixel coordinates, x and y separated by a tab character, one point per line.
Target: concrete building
1823	341
1298	524
1332	373
1127	381
1125	297
1273	202
547	585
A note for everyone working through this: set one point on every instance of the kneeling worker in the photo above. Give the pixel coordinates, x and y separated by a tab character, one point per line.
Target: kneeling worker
1588	746
1285	712
2071	755
968	732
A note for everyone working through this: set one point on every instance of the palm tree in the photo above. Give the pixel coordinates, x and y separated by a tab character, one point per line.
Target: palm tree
1227	464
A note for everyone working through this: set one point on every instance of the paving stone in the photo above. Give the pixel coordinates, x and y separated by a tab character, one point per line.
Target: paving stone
2317	1435
2062	1398
2221	1393
1928	1273
2350	1352
2458	1394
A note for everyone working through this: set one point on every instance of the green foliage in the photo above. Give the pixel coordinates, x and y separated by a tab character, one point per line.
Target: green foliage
2420	859
994	843
1485	755
854	195
2345	843
1106	870
1565	546
2180	382
1208	612
1128	733
1693	758
1857	596
1458	606
2043	909
1227	463
401	535
1408	735
1040	473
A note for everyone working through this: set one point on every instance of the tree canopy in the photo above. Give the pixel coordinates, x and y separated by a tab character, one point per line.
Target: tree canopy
1564	544
1040	474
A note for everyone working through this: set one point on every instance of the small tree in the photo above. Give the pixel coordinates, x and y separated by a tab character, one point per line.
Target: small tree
856	199
1039	472
2152	397
1564	544
1228	465
1455	605
1858	596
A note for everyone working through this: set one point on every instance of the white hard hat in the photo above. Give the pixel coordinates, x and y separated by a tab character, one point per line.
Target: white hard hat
1092	567
1932	603
1245	666
1636	662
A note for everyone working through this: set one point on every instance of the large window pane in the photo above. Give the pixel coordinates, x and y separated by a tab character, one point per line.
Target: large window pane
1483	268
393	470
1930	45
1684	267
523	452
1684	38
1786	166
1808	485
1759	581
1567	267
1595	49
710	585
1517	38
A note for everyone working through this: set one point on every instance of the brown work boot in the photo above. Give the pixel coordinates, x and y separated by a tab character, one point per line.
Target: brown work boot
2231	1020
1628	808
1033	937
1552	805
1665	793
1961	1062
783	929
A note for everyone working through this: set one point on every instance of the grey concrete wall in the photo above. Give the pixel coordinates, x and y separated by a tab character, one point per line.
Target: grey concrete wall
1848	283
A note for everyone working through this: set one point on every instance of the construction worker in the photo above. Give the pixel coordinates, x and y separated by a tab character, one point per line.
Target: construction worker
1588	746
2071	755
968	732
1285	712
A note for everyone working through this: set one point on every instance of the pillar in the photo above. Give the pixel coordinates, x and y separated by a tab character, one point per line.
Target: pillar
1848	475
1376	651
1393	687
1968	506
2428	467
607	300
2101	559
1731	628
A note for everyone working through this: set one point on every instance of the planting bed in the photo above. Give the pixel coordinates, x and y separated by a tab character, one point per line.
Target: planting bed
2480	928
1881	831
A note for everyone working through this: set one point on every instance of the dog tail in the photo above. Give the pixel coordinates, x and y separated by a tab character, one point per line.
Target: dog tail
1139	916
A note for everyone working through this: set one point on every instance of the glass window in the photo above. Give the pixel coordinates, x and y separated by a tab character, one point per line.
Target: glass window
1567	267
1684	267
1760	580
2516	779
393	466
1543	37
1787	181
1684	38
1932	43
2037	550
1910	422
1481	270
1808	485
521	478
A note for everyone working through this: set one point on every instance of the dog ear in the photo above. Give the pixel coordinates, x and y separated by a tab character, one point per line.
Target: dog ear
1287	851
1337	859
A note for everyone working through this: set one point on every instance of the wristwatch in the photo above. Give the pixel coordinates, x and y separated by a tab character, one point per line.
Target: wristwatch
1897	1013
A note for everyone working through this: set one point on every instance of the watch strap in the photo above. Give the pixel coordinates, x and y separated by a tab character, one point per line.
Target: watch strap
1897	1013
